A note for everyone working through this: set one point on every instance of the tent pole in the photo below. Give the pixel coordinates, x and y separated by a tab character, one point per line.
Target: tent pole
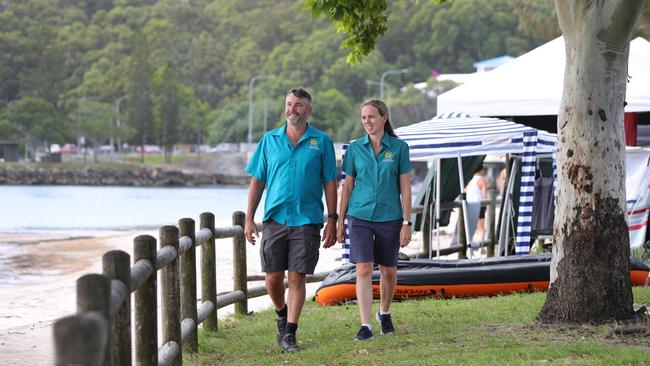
425	225
461	181
506	214
437	222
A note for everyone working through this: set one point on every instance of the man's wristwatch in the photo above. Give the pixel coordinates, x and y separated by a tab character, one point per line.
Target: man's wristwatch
334	216
409	223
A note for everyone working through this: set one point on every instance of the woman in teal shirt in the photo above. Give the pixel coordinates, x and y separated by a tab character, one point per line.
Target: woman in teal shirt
377	170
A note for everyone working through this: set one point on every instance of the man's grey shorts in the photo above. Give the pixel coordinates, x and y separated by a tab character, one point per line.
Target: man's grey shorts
292	248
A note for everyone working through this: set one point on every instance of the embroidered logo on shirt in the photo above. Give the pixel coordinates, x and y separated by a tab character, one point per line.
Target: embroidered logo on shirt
388	157
313	143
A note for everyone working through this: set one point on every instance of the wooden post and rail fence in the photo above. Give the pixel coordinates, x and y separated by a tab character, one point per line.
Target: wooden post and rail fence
101	331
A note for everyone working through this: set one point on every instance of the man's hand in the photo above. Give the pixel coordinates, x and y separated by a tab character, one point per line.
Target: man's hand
250	231
329	234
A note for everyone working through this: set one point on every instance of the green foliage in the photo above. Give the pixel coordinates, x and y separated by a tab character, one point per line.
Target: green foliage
168	106
362	21
229	123
332	110
34	118
417	104
536	18
140	106
95	121
63	50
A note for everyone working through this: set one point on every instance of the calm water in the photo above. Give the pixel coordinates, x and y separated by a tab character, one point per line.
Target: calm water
75	210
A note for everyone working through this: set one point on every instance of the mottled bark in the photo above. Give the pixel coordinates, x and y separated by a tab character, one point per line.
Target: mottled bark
590	266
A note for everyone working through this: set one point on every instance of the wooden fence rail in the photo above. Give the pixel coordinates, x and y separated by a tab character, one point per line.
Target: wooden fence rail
100	333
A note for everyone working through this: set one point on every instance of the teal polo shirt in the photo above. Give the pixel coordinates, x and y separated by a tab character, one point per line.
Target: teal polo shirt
376	193
294	175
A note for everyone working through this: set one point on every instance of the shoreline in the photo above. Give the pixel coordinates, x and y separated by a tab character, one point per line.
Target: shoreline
94	175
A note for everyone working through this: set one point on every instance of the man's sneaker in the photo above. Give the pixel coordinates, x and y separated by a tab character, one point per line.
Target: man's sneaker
289	343
386	323
282	328
363	334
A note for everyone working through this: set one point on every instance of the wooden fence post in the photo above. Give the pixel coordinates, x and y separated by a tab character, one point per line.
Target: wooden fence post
146	305
80	340
94	294
188	283
239	262
117	266
171	302
209	272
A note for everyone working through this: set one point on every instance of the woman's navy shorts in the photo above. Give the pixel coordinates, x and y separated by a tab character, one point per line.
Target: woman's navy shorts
374	241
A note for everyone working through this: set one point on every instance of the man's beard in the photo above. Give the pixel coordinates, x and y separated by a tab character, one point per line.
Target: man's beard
301	118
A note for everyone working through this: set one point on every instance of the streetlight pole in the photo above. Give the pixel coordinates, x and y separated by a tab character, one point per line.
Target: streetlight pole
383	76
251	83
266	110
118	123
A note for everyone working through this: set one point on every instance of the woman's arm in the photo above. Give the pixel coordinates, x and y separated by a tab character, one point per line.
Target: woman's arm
405	191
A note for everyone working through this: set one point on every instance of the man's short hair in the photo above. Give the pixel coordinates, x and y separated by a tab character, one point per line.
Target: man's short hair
301	93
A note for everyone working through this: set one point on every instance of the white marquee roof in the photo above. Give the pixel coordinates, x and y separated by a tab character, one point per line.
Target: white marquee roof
532	84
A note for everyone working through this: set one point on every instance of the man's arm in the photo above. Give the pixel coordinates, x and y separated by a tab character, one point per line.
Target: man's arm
254	197
329	234
346	191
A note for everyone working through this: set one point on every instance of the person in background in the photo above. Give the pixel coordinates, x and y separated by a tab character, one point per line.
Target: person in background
294	163
377	170
476	191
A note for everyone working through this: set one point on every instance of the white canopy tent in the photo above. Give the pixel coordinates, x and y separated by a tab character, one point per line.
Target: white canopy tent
531	84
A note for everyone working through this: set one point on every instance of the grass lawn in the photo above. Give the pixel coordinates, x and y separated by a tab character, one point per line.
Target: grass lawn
479	331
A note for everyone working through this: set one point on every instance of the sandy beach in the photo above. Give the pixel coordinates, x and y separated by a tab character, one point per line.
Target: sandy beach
39	273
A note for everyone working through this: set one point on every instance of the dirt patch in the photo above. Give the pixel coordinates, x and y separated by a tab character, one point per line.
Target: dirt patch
631	333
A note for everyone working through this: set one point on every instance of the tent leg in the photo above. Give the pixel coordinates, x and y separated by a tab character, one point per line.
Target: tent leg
461	181
437	208
506	210
425	225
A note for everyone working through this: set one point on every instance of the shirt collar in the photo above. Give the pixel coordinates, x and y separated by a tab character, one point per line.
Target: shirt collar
385	141
309	132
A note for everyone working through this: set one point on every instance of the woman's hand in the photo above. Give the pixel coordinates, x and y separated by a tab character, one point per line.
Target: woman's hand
405	236
340	232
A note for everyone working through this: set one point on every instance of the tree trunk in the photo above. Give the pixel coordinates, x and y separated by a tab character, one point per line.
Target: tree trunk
590	277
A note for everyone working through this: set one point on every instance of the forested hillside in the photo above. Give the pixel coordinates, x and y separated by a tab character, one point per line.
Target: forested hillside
171	71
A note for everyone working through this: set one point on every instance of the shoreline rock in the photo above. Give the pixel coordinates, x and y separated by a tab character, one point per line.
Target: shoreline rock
98	176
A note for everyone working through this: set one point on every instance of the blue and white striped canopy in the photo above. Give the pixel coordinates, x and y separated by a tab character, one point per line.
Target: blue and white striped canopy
449	135
445	135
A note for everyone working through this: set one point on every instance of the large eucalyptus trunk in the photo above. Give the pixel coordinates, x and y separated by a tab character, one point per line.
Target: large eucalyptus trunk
590	267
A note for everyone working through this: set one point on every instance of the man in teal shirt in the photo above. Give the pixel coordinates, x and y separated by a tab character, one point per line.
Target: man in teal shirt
294	163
